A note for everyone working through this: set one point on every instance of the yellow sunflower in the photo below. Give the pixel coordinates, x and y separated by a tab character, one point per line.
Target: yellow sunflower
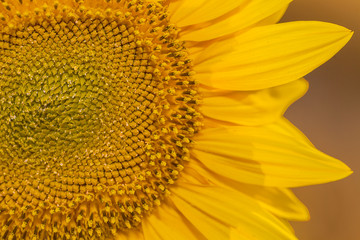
148	119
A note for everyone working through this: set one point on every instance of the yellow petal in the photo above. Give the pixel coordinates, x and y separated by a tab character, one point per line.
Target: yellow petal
208	226
167	223
241	170
190	12
271	157
286	127
270	55
246	15
232	208
281	202
253	107
133	234
274	18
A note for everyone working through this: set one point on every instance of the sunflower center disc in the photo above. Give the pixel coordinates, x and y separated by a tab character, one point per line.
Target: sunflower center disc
97	111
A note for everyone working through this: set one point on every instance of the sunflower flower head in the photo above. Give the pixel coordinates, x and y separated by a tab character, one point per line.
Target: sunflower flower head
112	108
98	110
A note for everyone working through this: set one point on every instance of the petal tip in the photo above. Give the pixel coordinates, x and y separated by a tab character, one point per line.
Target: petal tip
340	173
347	33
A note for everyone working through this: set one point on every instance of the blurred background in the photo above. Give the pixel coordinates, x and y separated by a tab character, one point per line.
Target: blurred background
329	114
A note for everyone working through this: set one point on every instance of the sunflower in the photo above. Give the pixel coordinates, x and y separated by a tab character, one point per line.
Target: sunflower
150	119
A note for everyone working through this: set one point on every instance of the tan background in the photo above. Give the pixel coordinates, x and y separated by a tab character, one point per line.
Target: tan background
329	115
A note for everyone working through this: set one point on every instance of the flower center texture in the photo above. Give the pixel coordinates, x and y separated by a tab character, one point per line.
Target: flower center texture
98	109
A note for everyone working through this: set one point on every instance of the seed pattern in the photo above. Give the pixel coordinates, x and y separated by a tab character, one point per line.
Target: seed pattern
98	108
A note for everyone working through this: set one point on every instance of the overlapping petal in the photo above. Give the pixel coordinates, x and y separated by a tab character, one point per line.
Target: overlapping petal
265	156
202	204
135	234
252	107
167	223
291	208
274	18
281	202
244	16
189	12
270	55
